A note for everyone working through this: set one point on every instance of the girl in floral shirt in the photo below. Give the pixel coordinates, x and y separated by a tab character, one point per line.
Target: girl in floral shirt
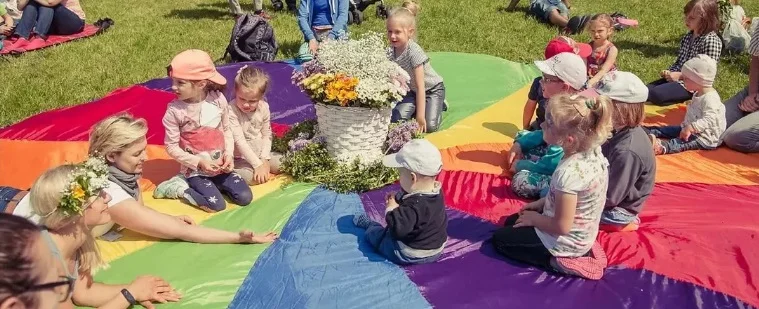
558	231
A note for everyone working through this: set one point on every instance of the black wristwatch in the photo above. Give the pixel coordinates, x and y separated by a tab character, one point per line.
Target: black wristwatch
128	297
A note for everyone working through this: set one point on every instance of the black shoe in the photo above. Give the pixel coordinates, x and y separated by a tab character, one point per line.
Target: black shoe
577	24
278	5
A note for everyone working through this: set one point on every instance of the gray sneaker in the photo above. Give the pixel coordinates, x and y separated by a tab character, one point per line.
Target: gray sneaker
171	189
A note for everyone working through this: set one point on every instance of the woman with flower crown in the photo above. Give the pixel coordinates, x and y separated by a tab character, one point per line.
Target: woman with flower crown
121	141
70	201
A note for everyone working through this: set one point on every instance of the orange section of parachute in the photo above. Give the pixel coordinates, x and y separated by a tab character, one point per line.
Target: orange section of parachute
720	167
32	158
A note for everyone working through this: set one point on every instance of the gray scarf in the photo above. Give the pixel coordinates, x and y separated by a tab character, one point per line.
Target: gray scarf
126	181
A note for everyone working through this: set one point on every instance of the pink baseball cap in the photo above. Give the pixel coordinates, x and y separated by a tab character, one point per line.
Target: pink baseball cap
563	44
195	64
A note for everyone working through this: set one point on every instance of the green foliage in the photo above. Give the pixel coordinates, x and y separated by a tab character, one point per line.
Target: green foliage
280	144
314	165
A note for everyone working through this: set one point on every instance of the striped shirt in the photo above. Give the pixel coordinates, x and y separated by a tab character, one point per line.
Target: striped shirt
413	57
753	48
691	46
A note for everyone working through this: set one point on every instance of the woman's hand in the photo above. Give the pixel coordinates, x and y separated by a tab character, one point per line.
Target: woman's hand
750	104
261	174
674	76
152	289
313	46
248	237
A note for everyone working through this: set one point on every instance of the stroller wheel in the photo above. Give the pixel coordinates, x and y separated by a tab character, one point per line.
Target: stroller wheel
381	11
357	17
350	18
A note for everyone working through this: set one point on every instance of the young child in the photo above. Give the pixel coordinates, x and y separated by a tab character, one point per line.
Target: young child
250	121
702	20
535	101
705	117
603	59
632	165
531	159
6	22
198	133
426	100
558	232
416	218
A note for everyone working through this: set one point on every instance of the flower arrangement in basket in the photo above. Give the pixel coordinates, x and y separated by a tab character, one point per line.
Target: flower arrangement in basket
353	85
353	73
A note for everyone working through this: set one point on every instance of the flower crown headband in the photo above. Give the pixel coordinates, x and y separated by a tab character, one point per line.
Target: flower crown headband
87	180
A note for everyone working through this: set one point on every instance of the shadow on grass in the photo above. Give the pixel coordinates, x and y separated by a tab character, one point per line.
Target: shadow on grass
218	5
289	49
647	49
200	13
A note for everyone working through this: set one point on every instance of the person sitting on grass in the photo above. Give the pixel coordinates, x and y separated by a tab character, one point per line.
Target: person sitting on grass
555	12
417	222
320	20
46	17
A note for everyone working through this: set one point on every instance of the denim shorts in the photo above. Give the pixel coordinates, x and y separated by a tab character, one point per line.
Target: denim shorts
542	8
7	195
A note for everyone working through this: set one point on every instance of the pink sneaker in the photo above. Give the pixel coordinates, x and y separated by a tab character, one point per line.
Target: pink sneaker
18	44
35	43
588	267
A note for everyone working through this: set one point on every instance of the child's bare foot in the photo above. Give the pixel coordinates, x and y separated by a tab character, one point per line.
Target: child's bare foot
656	144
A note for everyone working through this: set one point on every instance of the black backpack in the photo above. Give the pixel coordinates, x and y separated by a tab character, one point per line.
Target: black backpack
252	40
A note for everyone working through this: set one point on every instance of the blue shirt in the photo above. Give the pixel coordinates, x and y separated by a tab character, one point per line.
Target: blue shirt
321	13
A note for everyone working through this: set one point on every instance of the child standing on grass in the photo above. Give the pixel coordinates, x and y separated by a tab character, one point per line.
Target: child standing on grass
603	59
531	159
535	101
702	20
250	120
417	223
632	165
557	232
705	117
199	137
426	100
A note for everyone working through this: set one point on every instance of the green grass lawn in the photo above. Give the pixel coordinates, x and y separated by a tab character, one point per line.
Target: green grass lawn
148	33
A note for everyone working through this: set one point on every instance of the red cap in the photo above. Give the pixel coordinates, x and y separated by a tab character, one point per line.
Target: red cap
564	44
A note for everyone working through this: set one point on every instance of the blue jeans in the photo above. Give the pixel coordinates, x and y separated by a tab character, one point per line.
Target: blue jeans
618	216
207	191
542	9
48	20
434	99
382	241
7	195
674	144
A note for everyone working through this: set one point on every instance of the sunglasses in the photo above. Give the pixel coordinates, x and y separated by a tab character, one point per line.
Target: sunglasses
64	288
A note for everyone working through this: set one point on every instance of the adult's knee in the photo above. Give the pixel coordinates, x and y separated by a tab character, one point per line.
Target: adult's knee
746	141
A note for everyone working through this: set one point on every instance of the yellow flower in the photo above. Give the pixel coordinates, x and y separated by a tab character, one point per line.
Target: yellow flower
78	193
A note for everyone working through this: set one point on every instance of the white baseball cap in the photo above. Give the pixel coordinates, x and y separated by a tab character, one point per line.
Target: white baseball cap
419	156
623	87
568	67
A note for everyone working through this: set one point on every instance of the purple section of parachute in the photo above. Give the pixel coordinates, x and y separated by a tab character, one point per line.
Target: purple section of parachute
470	274
287	103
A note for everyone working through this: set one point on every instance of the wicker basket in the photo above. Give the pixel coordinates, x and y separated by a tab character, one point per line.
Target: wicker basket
353	132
